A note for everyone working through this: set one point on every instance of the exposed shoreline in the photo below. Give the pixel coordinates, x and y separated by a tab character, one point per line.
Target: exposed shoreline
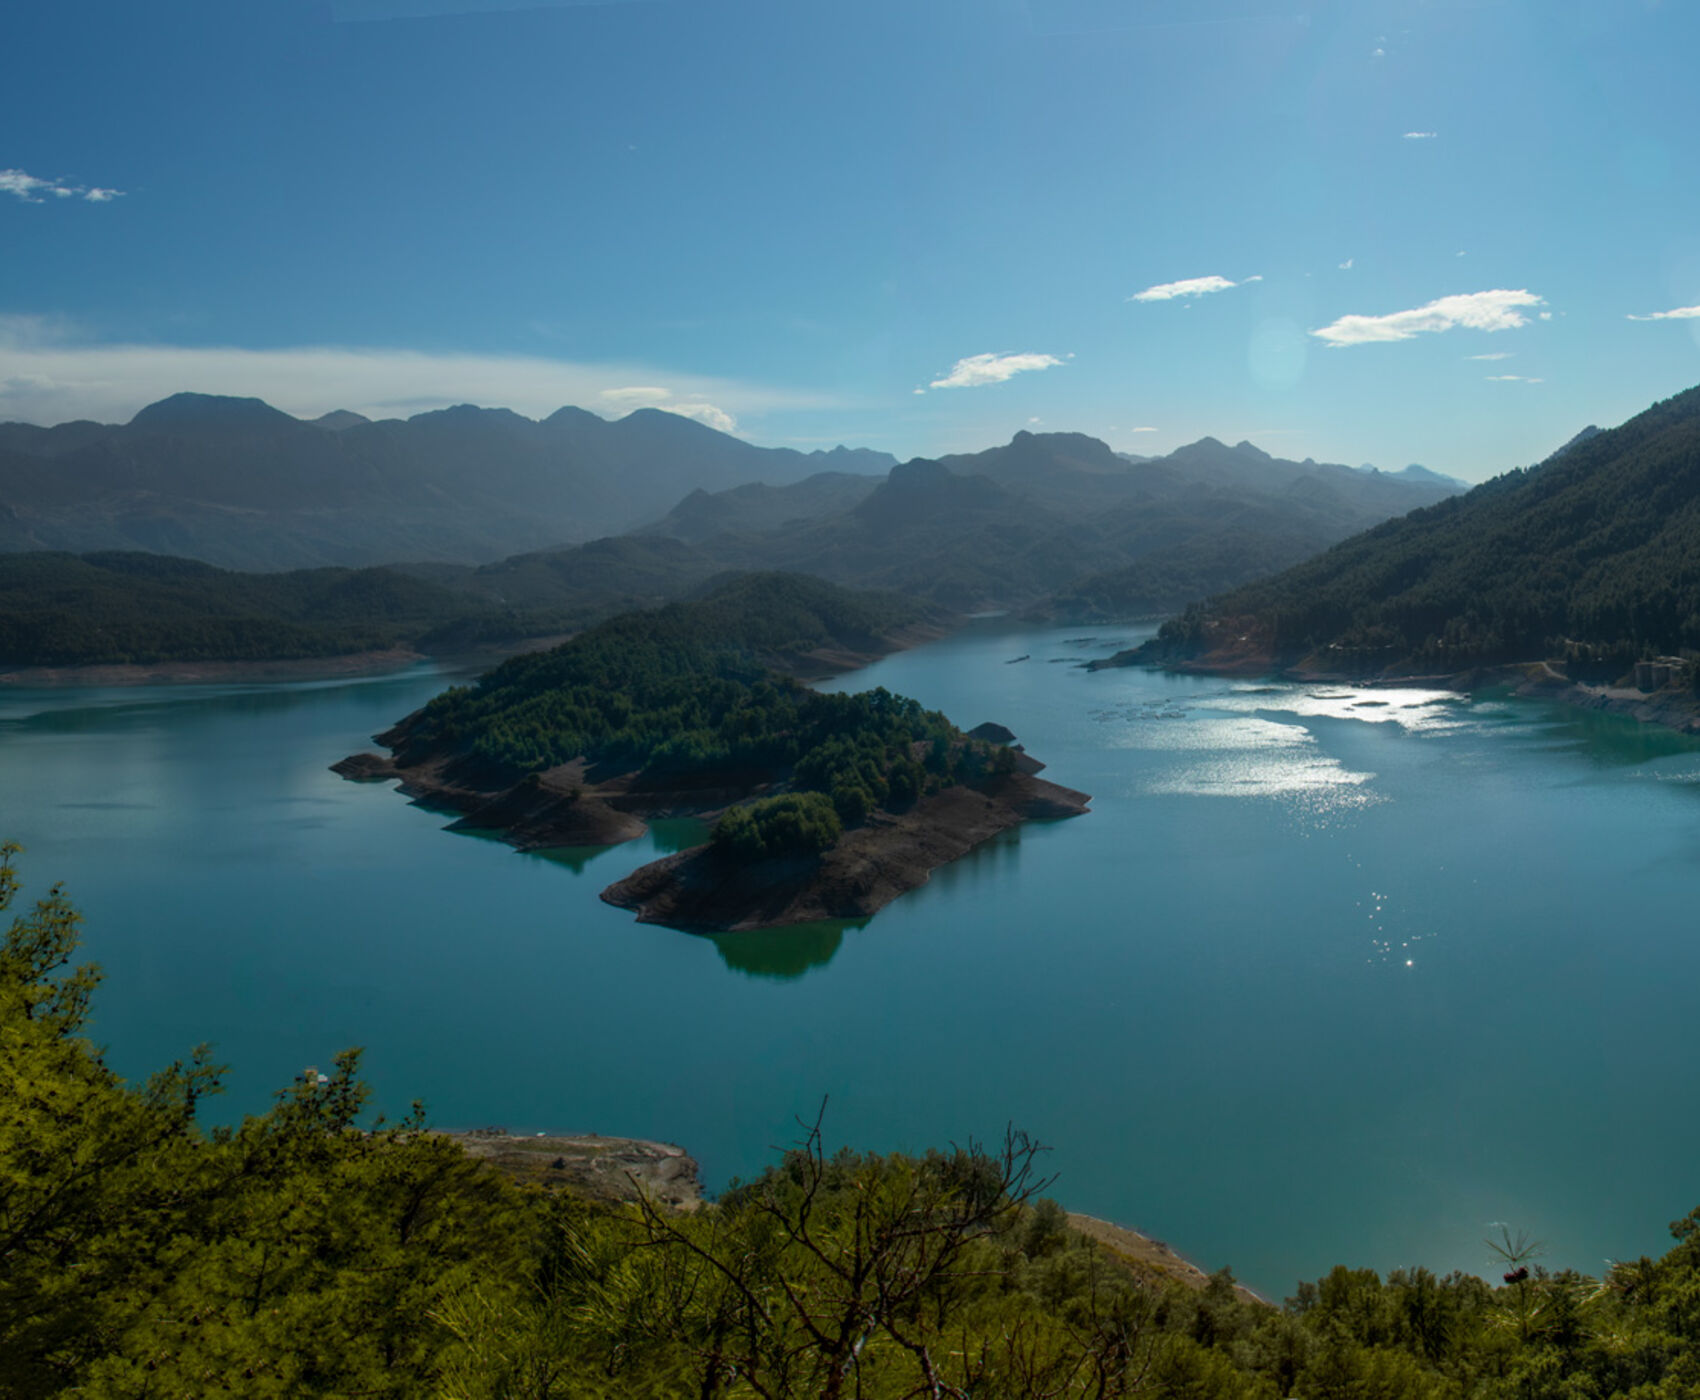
1670	706
306	668
613	1169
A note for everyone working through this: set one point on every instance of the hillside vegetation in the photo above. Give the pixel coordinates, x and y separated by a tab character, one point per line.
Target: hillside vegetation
1055	522
303	1253
1592	557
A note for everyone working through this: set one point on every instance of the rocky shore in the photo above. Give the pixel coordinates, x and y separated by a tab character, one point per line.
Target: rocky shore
616	1169
703	889
1669	703
602	1168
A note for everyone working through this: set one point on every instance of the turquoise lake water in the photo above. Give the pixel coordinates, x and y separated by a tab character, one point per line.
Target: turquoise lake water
1326	976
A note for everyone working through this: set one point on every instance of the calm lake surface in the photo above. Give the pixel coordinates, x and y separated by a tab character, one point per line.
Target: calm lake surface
1327	976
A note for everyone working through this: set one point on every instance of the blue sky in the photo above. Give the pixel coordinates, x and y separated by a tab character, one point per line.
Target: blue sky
920	226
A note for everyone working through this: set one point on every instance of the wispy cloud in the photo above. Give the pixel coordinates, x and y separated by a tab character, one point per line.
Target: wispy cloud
1512	379
1187	287
1681	313
975	370
1347	265
1492	355
1498	310
635	396
48	376
32	189
1420	135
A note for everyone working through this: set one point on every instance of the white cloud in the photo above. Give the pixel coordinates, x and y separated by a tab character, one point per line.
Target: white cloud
1189	287
1420	135
48	376
635	396
632	397
31	188
1347	265
1139	430
1480	311
1495	355
1512	379
1035	420
703	412
1681	313
975	370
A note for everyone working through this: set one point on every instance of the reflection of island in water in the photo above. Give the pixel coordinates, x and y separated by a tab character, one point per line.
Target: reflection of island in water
783	954
665	836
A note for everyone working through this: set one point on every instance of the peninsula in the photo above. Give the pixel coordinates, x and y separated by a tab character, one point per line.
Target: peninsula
824	806
1572	579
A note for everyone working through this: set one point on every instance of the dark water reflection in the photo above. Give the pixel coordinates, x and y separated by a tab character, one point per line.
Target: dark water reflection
782	954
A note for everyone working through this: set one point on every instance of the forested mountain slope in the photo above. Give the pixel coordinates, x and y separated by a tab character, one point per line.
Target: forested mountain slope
1593	556
1059	514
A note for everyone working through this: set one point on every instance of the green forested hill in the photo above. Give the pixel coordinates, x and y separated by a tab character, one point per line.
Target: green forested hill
67	609
1593	555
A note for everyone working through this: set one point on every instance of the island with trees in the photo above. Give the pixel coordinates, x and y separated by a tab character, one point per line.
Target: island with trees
824	806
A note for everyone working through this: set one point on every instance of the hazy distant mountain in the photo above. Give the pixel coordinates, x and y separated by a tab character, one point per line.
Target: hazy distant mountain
1061	514
238	483
755	508
1590	556
339	418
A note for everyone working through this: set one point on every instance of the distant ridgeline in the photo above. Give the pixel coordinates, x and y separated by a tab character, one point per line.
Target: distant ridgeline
237	483
1591	558
827	805
1054	522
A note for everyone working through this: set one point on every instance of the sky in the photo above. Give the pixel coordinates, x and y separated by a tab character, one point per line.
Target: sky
1379	231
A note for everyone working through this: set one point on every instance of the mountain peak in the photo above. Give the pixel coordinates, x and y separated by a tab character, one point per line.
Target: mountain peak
339	418
210	411
1245	447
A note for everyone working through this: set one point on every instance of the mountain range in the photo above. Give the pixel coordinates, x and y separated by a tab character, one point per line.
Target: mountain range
237	483
1054	521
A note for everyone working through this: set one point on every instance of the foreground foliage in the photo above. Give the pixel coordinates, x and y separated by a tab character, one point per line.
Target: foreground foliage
297	1255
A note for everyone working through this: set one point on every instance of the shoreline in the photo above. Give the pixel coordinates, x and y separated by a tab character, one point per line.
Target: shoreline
1669	707
305	668
613	1169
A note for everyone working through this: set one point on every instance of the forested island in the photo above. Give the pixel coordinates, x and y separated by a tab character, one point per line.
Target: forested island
825	806
1577	577
312	1251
